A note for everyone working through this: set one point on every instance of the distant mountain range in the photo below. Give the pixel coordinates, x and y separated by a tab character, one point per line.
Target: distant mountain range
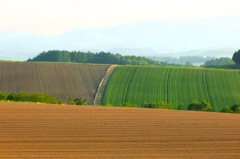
197	37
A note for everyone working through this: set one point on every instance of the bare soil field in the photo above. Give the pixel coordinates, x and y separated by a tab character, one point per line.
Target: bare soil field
61	131
62	80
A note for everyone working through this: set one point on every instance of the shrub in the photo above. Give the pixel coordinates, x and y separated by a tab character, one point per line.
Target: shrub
149	105
181	107
128	104
203	106
164	105
235	108
21	96
160	105
3	96
109	105
77	101
10	96
227	110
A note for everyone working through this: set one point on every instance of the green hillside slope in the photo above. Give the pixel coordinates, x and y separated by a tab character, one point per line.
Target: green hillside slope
62	80
177	86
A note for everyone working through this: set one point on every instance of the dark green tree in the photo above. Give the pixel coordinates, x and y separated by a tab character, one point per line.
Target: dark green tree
236	57
235	108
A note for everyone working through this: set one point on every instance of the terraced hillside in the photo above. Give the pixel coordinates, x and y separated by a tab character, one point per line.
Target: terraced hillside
56	131
63	80
178	86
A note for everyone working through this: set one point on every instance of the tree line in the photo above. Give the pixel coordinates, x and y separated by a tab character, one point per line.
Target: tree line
110	58
182	59
225	62
219	62
90	57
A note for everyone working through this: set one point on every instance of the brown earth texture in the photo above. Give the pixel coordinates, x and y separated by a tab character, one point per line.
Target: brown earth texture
60	131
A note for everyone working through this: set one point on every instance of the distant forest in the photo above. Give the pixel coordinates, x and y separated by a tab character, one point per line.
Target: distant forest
90	57
183	59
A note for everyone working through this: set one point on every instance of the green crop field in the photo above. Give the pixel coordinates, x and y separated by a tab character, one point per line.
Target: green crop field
62	80
178	86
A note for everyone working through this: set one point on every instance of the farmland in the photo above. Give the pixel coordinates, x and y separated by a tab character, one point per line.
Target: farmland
60	131
177	86
134	85
62	80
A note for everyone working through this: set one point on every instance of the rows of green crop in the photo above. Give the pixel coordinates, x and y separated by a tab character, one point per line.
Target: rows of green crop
178	86
185	85
121	77
141	78
223	87
128	84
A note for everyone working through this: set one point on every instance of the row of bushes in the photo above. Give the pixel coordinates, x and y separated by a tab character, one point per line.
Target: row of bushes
38	97
194	106
42	98
160	105
233	109
203	106
29	97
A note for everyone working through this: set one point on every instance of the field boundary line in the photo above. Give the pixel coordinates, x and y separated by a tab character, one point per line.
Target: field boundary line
126	87
102	86
206	87
166	85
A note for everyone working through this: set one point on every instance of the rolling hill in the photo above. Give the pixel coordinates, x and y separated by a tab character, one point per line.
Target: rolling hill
118	85
62	80
137	85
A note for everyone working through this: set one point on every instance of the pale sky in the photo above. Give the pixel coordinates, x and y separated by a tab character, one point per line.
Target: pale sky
52	17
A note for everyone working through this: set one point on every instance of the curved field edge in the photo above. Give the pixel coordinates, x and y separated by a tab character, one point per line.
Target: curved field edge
178	86
62	80
102	85
59	131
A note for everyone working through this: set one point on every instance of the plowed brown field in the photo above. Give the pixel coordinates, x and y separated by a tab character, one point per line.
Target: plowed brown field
58	131
62	80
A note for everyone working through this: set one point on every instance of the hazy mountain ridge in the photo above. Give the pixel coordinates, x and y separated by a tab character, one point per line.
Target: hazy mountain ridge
149	38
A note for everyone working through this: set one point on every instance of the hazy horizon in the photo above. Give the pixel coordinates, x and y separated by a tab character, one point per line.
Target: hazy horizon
52	17
143	27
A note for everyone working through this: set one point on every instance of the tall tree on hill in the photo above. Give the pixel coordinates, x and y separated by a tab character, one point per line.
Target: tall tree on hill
63	56
236	57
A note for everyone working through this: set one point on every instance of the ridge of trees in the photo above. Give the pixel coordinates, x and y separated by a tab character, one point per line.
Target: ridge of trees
90	57
225	62
219	62
182	59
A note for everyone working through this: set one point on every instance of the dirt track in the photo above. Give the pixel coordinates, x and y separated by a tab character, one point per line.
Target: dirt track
57	131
